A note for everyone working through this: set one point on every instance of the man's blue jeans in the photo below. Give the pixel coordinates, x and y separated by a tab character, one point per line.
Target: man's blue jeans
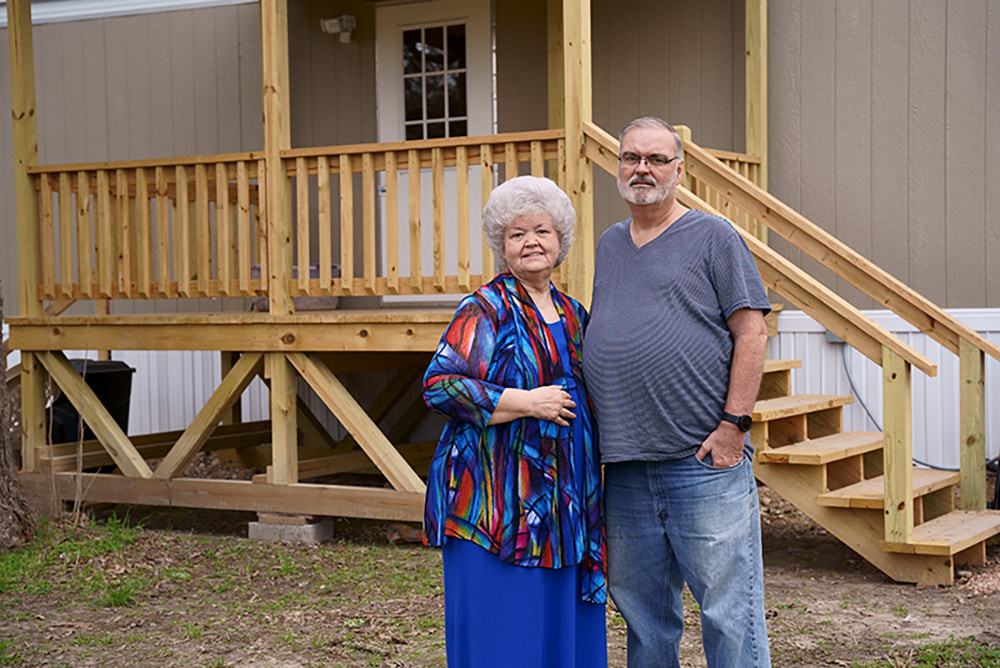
683	520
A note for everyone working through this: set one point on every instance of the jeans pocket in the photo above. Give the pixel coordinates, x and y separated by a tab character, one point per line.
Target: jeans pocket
709	463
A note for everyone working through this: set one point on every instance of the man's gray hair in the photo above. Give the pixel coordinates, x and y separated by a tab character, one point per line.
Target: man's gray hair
530	195
653	122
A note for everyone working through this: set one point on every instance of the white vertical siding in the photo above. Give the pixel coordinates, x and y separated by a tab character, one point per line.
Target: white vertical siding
935	400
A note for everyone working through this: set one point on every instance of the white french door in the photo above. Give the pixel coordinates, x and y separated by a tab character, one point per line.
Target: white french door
434	79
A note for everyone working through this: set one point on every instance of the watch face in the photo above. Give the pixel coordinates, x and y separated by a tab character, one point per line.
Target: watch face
744	423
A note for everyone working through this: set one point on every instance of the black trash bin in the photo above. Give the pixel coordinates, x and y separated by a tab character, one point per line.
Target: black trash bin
111	381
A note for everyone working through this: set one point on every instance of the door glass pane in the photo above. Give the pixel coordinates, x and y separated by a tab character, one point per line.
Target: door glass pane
435	130
435	96
413	99
434	49
456	94
412	50
456	47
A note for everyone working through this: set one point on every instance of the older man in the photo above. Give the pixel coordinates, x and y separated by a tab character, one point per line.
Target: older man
674	357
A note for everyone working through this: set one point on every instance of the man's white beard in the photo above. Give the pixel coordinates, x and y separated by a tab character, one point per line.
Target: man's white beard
643	196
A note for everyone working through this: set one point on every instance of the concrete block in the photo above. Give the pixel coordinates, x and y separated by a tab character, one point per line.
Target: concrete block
315	532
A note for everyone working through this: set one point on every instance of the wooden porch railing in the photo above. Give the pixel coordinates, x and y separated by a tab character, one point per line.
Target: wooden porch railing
734	192
151	229
196	227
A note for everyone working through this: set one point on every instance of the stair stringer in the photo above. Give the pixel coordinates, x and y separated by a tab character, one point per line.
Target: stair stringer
859	529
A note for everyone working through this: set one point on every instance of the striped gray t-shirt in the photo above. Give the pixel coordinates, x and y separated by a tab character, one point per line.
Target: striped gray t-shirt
657	350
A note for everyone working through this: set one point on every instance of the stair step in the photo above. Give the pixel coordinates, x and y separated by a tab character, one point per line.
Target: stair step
870	493
782	407
826	449
950	533
771	365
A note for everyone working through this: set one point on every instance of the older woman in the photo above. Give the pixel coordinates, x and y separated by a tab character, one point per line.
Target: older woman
514	490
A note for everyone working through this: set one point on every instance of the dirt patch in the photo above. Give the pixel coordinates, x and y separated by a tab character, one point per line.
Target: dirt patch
189	589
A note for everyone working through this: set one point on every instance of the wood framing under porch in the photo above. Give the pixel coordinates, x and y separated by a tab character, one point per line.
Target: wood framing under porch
318	347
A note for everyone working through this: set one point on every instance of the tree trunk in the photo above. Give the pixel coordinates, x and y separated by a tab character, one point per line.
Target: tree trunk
16	517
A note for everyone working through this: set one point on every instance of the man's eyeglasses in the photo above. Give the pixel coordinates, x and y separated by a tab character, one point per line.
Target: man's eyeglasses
654	160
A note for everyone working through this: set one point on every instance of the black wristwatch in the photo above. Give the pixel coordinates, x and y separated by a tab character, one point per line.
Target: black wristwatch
744	422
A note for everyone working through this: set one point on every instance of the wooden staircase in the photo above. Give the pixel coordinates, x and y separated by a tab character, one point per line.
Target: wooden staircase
835	477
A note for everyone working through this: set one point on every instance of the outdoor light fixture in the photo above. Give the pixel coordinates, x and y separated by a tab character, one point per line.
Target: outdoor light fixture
343	24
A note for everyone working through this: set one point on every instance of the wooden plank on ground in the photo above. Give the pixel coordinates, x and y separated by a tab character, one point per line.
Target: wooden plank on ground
307	499
352	416
226	394
97	417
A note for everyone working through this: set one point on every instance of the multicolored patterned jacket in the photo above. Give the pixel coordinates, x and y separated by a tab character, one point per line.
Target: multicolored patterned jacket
511	488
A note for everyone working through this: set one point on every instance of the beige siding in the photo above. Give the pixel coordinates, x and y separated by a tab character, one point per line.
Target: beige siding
883	128
676	59
152	85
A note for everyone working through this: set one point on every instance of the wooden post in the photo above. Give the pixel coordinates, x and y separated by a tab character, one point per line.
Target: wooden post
756	90
897	451
556	78
578	108
284	427
685	134
972	403
277	136
25	149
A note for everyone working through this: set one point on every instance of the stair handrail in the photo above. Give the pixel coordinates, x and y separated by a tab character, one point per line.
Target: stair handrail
788	280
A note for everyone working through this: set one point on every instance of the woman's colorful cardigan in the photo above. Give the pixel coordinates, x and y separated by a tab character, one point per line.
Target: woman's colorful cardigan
511	487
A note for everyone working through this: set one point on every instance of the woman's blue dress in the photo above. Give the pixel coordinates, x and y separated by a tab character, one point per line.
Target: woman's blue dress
499	614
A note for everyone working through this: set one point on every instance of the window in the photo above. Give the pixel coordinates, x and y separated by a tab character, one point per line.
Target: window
434	82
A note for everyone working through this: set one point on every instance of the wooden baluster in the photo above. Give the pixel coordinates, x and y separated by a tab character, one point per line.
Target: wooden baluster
346	225
562	273
182	232
897	449
243	232
223	232
537	159
972	410
162	233
203	228
509	161
48	239
103	251
325	224
368	220
84	265
66	251
262	240
302	223
143	229
438	239
485	188
125	206
413	177
462	190
391	223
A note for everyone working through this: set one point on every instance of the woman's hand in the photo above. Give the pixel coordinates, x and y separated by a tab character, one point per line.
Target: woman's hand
552	403
549	402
